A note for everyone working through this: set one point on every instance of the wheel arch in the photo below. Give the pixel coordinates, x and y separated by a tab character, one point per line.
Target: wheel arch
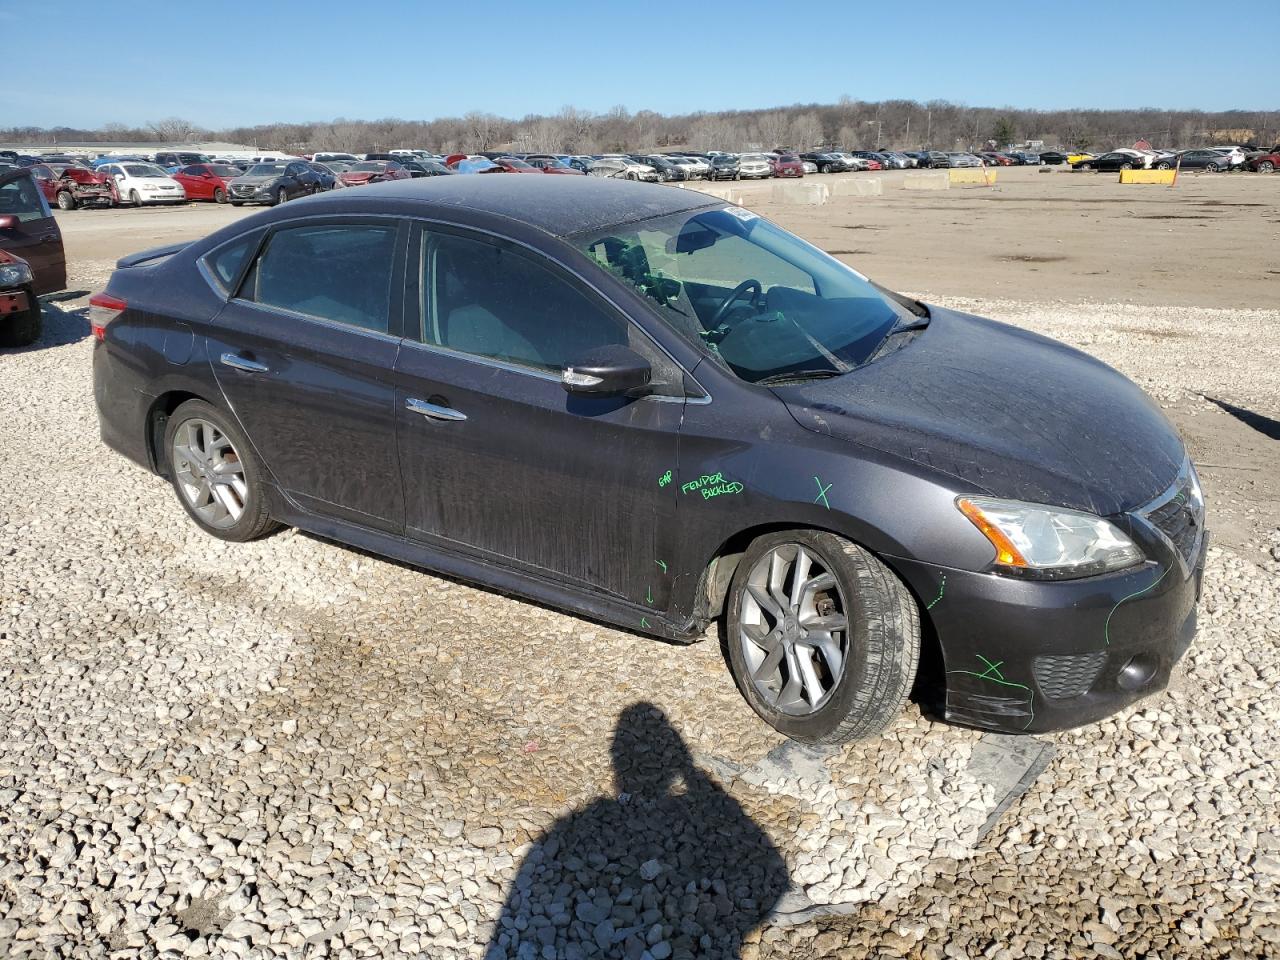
158	421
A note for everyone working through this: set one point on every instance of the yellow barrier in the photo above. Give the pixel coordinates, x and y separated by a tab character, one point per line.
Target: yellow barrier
972	176
1167	177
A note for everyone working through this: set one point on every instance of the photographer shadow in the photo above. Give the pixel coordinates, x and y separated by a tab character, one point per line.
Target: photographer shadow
670	867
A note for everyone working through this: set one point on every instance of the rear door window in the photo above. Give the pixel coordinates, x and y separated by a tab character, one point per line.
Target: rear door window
340	272
21	198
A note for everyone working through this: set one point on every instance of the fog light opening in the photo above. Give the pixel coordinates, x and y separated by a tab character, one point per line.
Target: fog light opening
1138	671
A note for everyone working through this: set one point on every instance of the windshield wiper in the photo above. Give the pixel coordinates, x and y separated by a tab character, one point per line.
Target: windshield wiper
898	328
798	375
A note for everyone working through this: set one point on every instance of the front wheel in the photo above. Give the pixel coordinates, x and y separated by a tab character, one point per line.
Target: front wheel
215	473
1162	166
281	196
823	638
1266	166
22	331
219	196
65	200
134	198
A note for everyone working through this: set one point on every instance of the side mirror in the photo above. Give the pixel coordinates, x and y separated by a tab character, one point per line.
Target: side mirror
608	371
8	222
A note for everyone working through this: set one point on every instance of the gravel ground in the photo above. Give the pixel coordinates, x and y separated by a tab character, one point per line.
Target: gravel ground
292	749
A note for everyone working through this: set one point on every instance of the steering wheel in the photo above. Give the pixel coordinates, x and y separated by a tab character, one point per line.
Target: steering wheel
735	296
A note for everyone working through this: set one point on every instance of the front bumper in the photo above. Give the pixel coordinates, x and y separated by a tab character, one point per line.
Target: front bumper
15	301
1026	656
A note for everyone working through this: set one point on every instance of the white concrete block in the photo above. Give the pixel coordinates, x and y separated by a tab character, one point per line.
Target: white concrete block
856	187
930	180
801	193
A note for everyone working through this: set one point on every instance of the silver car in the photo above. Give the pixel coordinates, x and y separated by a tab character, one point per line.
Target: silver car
753	166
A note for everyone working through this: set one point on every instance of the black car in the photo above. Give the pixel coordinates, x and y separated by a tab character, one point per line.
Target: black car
826	162
1110	162
724	166
427	168
667	170
657	410
328	179
1053	158
1210	160
275	182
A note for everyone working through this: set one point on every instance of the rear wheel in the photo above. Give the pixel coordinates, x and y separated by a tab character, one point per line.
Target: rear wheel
823	638
215	473
1162	165
1266	166
1126	166
65	200
1213	168
219	196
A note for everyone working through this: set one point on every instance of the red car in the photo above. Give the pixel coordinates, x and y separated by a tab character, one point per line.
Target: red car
787	165
512	165
32	260
206	181
997	159
552	165
70	186
1266	163
374	171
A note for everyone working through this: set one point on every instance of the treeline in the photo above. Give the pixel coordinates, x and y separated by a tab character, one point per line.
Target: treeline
849	123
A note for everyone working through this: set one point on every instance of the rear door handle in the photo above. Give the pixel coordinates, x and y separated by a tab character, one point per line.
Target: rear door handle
433	411
240	363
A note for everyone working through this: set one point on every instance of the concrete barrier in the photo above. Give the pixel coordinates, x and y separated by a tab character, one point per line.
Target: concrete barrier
969	175
933	180
1166	177
799	192
856	187
711	189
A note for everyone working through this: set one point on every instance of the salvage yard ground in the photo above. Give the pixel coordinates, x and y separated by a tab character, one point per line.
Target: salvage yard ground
290	748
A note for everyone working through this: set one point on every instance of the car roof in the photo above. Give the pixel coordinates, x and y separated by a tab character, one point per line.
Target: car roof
561	206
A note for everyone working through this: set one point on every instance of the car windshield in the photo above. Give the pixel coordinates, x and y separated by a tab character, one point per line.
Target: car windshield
144	170
518	164
787	157
753	158
369	165
761	301
266	170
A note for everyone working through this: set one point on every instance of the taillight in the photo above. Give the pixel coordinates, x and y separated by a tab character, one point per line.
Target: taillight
103	308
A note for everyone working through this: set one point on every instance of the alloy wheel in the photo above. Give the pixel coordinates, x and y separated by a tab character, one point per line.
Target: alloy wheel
794	630
210	473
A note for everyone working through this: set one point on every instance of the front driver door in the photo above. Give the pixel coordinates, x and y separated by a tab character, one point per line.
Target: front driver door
304	354
499	461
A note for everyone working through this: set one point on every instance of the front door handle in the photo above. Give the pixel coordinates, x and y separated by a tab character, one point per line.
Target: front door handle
433	411
240	363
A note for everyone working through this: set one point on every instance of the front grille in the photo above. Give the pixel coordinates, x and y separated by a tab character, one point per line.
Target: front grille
1069	675
1178	514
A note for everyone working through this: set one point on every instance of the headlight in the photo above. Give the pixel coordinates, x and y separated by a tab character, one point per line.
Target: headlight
14	274
1049	543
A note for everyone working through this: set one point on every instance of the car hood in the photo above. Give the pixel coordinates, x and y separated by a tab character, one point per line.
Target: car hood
1016	414
255	181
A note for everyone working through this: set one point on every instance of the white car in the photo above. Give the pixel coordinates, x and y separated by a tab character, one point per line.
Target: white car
701	169
753	166
143	183
1235	156
623	168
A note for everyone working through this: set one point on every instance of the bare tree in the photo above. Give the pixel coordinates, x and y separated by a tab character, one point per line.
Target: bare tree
773	128
483	129
806	131
174	129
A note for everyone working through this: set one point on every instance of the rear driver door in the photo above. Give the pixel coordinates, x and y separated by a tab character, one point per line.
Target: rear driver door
32	233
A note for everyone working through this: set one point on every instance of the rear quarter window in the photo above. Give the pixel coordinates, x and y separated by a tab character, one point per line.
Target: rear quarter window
225	263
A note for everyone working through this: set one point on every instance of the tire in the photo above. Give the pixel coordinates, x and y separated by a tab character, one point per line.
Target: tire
219	196
281	196
24	330
737	176
1086	166
1163	166
825	168
196	423
237	203
1126	166
1266	166
134	198
65	200
1212	167
880	645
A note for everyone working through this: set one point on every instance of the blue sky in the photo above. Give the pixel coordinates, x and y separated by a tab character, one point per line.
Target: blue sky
255	62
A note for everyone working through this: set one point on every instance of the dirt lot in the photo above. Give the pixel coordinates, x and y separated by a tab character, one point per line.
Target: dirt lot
292	749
